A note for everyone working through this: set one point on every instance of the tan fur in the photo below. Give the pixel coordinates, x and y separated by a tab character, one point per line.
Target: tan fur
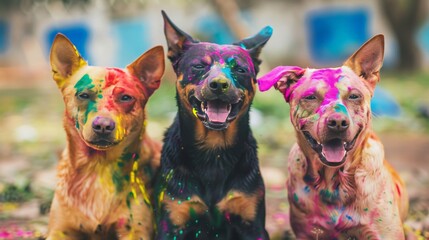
362	197
215	139
240	204
103	193
180	210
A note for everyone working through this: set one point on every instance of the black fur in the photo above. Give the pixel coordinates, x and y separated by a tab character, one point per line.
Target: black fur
188	168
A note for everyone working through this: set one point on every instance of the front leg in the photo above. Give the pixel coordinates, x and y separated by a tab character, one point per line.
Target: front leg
246	214
136	221
178	218
64	222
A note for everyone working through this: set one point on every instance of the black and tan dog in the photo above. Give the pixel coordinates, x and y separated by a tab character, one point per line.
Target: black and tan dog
210	186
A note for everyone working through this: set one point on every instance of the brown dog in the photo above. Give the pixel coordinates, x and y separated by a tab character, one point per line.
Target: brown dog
340	186
105	172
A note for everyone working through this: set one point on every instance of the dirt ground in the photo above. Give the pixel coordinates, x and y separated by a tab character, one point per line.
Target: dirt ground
407	152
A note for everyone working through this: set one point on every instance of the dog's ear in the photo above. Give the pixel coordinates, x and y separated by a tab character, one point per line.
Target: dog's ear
177	40
282	78
255	44
368	60
65	59
149	68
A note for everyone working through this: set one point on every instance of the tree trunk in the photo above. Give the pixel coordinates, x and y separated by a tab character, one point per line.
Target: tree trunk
230	13
409	53
405	17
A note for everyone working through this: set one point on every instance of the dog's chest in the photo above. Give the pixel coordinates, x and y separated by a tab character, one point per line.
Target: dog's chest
324	206
97	193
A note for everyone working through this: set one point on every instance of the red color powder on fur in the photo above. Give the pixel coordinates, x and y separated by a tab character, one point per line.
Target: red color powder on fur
113	75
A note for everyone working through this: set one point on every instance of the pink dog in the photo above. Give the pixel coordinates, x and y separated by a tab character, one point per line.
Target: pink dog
339	186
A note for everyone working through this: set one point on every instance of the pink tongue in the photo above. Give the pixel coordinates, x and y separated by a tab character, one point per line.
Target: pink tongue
217	111
334	152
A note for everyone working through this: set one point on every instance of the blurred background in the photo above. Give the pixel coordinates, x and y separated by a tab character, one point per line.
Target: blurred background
313	33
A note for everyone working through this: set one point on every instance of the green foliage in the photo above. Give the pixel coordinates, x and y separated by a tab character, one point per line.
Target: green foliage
162	104
271	104
14	193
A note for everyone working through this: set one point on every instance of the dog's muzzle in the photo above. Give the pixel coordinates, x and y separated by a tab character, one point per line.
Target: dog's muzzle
215	114
332	152
217	103
103	128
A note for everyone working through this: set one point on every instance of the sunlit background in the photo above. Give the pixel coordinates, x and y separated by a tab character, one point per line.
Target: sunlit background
313	33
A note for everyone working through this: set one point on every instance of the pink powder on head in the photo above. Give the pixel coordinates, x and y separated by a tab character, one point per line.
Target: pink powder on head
309	91
270	79
220	51
330	76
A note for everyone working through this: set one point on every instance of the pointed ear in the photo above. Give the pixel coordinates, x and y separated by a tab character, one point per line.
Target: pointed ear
255	44
177	40
282	78
65	59
149	68
368	60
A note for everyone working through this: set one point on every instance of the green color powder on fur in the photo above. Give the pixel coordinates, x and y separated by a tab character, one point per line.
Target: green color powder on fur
85	83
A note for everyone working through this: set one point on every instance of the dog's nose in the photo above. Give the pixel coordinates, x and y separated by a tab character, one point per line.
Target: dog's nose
103	125
338	122
219	85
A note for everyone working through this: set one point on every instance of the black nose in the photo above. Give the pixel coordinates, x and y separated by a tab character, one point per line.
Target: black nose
219	85
102	125
338	122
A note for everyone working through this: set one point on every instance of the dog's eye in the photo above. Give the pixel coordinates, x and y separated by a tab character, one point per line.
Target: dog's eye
198	66
310	97
240	70
126	98
83	96
354	97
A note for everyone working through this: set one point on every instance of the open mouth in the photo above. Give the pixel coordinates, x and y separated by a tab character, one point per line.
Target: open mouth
215	114
332	152
102	144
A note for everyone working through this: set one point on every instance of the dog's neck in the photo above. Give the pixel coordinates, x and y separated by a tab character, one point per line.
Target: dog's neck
228	145
193	132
